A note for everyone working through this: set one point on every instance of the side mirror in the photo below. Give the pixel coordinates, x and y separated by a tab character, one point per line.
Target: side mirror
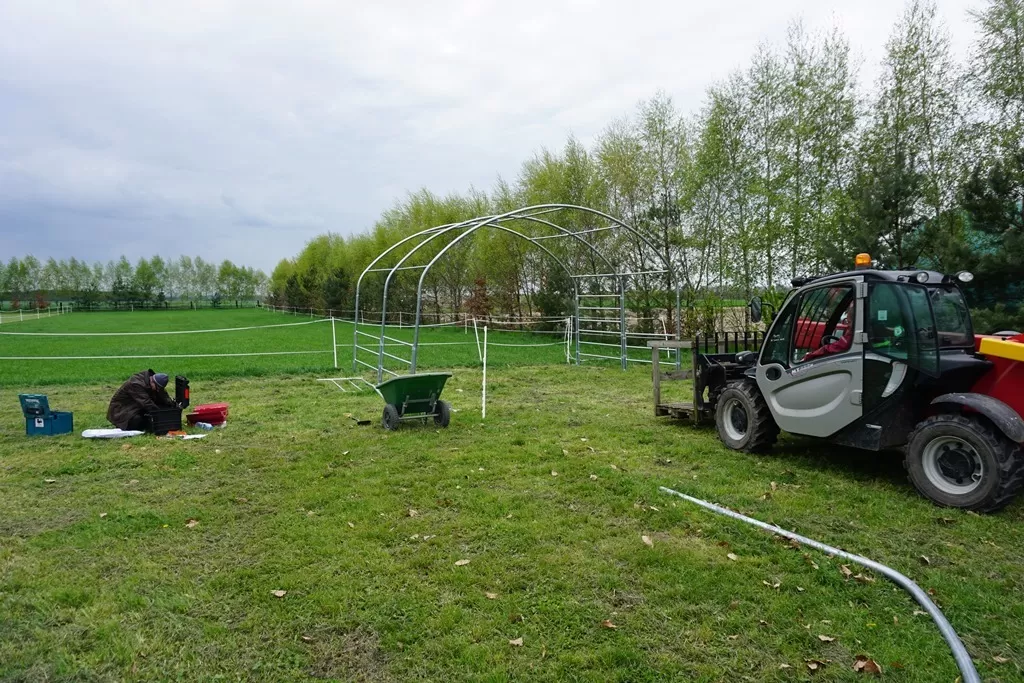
755	309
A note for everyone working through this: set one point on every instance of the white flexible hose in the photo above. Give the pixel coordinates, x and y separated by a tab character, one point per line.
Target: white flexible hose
963	659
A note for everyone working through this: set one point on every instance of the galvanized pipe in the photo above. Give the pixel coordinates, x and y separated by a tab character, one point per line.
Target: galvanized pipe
960	654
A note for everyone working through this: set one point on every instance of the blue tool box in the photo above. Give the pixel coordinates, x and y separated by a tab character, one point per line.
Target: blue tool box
40	420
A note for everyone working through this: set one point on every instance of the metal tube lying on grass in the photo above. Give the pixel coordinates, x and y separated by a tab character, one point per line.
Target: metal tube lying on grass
960	654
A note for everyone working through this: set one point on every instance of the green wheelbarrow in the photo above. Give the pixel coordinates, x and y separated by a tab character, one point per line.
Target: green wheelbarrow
415	397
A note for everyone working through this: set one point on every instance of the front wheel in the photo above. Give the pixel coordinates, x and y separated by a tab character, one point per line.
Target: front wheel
963	462
443	415
743	419
390	418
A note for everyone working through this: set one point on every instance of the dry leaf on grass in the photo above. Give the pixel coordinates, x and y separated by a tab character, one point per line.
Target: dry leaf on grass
767	495
732	637
593	477
516	642
919	613
102	515
554	474
345	452
864	579
799	589
785	666
845	570
925	560
307	639
192	523
1000	660
279	593
461	563
733	557
775	487
863	664
772	585
412	513
491	596
584	439
126	447
814	664
826	639
647	541
613	467
50	481
352	525
608	624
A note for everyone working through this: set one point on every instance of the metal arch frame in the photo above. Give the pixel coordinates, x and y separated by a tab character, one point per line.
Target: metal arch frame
468	228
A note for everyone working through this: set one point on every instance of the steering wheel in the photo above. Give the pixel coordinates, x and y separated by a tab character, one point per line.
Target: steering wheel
827	339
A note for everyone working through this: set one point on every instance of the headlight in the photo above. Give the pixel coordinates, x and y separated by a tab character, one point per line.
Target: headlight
964	277
921	277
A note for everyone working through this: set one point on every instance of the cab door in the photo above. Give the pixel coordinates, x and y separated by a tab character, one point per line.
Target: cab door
809	392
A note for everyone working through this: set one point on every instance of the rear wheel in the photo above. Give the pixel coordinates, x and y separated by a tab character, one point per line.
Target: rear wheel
964	462
744	421
443	414
390	419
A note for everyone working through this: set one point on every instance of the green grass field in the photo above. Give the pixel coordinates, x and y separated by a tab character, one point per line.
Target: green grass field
290	347
157	560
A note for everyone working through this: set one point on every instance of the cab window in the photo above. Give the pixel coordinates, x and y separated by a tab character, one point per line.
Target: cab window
824	320
901	325
808	322
952	318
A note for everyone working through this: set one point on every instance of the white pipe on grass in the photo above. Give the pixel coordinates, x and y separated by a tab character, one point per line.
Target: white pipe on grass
960	654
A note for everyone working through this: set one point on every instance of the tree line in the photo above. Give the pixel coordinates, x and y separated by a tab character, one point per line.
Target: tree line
154	282
787	169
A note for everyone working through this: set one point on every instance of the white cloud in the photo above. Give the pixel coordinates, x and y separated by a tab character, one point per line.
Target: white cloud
124	126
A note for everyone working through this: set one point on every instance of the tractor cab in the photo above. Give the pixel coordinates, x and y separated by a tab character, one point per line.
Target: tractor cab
877	360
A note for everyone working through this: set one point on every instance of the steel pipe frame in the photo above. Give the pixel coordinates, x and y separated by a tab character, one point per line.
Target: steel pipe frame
469	227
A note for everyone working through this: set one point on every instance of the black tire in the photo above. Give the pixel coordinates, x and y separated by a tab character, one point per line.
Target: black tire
443	415
964	462
390	419
744	421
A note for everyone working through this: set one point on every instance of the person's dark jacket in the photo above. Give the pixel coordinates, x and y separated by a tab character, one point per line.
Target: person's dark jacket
136	397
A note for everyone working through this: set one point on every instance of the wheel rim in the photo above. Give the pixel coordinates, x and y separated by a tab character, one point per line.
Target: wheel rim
735	420
952	465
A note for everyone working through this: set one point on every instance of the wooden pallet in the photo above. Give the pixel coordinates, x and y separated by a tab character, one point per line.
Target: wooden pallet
680	411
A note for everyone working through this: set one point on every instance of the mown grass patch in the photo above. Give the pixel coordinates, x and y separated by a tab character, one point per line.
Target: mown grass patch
548	499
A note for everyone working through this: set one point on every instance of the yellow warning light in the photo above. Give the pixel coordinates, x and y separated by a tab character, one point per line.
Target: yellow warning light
863	261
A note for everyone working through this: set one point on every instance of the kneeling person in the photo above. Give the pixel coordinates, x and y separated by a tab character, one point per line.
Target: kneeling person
132	404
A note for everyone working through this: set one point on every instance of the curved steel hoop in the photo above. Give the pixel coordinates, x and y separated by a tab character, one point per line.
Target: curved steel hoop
463	230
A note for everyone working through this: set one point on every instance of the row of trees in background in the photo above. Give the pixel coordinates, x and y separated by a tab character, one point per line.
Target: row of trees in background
788	169
155	282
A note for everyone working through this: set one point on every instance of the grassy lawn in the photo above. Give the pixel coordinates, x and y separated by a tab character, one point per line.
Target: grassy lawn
103	578
292	344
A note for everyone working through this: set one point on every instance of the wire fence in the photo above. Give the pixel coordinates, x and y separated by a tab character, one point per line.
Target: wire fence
24	314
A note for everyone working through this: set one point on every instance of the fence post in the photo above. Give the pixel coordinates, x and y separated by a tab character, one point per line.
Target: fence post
483	403
334	343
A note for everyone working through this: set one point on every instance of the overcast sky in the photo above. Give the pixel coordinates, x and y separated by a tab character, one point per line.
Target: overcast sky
242	129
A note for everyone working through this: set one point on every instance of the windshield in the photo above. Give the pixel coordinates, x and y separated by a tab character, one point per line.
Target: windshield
952	319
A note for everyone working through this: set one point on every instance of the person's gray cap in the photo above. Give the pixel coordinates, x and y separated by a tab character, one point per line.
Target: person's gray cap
161	379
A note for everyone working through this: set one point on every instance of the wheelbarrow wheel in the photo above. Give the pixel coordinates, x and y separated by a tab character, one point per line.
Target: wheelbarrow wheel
390	419
443	415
